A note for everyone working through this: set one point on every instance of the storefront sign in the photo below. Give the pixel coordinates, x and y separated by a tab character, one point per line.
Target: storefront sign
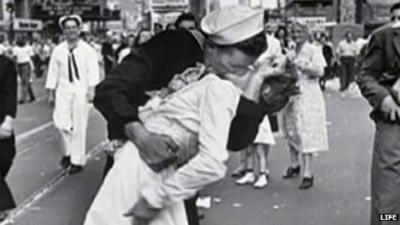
314	23
169	5
27	25
88	9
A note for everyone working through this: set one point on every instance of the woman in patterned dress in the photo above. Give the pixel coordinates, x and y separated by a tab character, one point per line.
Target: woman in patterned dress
305	116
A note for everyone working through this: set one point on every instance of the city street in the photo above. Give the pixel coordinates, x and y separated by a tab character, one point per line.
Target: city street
47	196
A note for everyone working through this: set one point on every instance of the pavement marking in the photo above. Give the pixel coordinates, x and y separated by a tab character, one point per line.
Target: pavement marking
42	127
49	187
21	137
31	132
28	148
41	99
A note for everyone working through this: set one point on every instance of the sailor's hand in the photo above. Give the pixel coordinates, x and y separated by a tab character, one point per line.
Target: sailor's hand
158	151
6	127
142	213
390	108
5	133
51	98
90	94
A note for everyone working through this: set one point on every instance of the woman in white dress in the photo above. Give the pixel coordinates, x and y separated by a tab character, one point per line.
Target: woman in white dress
305	117
257	155
197	115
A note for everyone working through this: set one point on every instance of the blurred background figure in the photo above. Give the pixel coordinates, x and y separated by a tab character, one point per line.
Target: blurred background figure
142	37
118	43
3	47
305	116
186	21
107	52
274	45
328	51
256	157
158	28
131	40
347	53
22	54
73	74
283	37
170	26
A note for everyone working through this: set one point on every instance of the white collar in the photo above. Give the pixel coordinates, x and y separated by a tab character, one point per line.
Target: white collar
396	24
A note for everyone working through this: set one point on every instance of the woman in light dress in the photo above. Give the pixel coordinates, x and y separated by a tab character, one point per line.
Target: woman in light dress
197	118
305	117
257	154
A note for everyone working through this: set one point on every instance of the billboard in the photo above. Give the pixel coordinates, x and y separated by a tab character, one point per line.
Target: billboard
313	23
169	5
88	9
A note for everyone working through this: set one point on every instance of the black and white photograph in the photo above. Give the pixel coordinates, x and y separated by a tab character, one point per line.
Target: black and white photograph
199	112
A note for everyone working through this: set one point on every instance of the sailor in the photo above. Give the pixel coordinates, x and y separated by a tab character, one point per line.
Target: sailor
73	74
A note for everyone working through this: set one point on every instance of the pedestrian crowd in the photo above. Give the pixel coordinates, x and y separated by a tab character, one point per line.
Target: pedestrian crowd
177	99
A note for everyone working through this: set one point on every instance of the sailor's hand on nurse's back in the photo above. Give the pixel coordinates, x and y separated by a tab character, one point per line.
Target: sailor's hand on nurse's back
158	151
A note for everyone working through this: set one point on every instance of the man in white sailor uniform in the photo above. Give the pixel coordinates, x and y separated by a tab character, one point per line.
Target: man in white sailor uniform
72	76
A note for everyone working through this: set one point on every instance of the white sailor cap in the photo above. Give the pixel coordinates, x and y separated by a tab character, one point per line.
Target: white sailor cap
74	17
233	24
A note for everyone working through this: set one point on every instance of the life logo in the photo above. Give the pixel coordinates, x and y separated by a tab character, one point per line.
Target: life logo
388	217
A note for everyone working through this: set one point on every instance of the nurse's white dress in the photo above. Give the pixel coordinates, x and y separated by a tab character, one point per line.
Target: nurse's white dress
201	112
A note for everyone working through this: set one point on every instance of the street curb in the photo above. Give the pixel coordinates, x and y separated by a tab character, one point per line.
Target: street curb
49	187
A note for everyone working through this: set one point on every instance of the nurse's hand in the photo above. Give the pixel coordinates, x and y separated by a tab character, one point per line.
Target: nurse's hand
158	151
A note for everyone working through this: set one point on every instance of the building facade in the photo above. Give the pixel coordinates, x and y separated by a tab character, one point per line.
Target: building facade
311	8
16	19
377	11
